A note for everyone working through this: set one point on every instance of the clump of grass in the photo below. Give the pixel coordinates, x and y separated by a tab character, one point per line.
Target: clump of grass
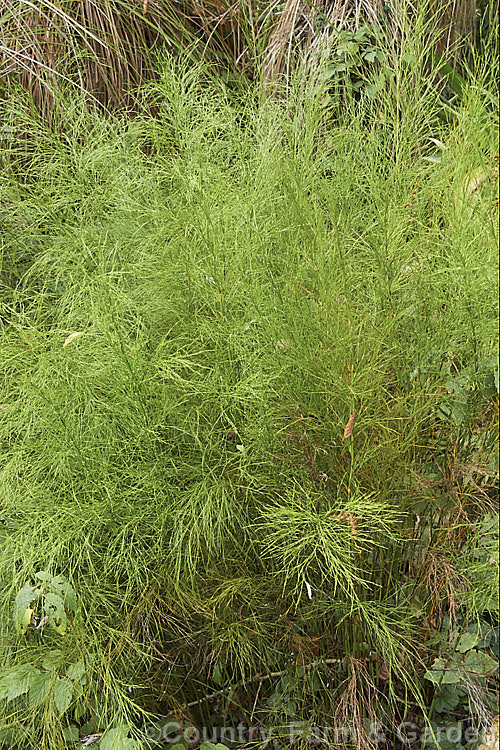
108	49
193	309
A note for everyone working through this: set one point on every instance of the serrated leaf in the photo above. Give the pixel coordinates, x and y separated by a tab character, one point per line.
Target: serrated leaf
63	693
18	680
53	659
39	688
75	671
24	597
116	739
467	641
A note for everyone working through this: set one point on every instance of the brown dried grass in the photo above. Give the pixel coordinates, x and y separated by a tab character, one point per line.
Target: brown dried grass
104	48
358	701
107	48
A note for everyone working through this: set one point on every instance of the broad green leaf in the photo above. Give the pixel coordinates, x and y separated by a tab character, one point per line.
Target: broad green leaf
371	90
71	733
42	575
447	699
360	34
480	663
459	409
409	58
53	659
275	700
217	675
22	609
53	603
63	693
26	620
456	82
440	674
54	608
313	683
18	681
62	588
288	682
79	709
116	739
75	671
467	641
211	746
39	687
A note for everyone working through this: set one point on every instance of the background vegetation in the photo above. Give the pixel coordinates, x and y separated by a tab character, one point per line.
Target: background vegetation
249	377
108	48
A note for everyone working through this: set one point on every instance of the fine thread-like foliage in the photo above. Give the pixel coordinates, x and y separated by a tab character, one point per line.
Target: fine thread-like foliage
193	308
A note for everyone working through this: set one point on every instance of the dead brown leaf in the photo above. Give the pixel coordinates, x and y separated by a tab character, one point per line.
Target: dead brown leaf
350	425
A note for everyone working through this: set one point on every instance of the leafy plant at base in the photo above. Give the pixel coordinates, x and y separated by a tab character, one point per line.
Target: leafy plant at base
45	605
353	61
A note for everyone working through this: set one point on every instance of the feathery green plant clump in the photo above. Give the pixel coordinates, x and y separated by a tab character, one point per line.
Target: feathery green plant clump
248	371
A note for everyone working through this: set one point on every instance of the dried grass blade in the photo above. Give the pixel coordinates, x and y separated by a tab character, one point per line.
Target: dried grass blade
350	425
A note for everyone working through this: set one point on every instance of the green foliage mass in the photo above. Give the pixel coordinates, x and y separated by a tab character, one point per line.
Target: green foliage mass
194	307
